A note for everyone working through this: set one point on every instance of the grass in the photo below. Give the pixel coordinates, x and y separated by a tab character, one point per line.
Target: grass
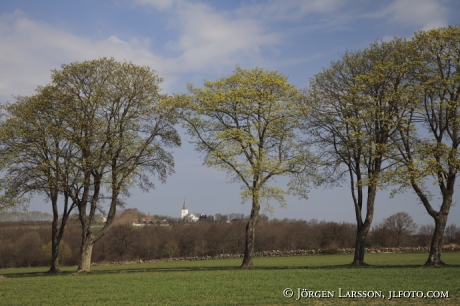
221	282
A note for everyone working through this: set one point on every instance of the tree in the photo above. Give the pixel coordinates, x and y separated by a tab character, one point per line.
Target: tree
245	125
35	155
379	235
128	216
28	249
452	234
64	251
114	114
433	153
171	248
221	218
399	226
425	234
121	238
108	127
354	108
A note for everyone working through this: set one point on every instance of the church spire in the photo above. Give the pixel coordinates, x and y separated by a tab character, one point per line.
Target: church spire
184	210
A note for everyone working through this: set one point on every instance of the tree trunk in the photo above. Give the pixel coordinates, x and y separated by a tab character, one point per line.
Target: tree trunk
58	233
440	218
54	268
434	258
88	239
251	232
360	249
85	256
362	228
86	249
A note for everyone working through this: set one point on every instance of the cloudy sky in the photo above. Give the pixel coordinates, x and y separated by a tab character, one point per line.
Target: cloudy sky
189	41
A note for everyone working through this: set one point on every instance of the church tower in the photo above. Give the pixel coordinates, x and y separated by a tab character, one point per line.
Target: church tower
184	211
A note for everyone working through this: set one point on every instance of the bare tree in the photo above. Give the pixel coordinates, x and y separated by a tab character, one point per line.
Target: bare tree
399	226
425	234
452	234
120	240
221	218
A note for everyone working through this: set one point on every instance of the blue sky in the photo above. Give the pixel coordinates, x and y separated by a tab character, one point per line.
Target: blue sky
192	41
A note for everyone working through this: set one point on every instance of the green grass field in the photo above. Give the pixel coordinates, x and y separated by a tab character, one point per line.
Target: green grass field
221	282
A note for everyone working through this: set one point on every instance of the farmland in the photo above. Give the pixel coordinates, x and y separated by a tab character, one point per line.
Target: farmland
222	282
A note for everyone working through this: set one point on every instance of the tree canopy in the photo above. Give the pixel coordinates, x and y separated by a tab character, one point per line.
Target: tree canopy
246	124
112	116
355	107
384	116
37	159
429	152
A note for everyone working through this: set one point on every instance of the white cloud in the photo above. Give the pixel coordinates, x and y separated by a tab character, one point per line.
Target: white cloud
213	39
158	4
290	10
388	38
427	14
423	14
30	49
210	38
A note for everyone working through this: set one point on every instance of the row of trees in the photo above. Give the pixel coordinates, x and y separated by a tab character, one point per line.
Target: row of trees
24	246
97	126
384	116
397	230
7	216
389	116
133	215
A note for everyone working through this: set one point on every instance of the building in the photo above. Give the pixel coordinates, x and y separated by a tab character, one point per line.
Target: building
162	222
189	217
184	211
147	222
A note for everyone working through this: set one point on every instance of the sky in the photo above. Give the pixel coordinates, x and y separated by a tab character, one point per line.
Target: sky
187	41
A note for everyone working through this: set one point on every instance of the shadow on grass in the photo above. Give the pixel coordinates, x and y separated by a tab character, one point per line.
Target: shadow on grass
219	268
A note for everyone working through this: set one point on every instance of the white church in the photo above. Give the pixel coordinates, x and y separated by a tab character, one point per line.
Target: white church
185	215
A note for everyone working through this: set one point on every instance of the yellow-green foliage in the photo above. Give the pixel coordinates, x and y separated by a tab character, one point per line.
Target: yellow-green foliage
433	150
439	79
99	123
246	124
357	106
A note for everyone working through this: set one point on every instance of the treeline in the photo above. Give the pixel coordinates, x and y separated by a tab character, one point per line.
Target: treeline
382	117
24	246
8	216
